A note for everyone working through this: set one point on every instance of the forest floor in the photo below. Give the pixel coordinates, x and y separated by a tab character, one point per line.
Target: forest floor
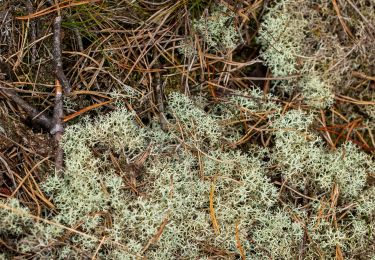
62	62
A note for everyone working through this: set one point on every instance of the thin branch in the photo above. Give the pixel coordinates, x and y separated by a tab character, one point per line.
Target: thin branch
30	9
56	7
156	237
58	128
159	99
341	19
57	56
78	36
36	117
361	75
61	83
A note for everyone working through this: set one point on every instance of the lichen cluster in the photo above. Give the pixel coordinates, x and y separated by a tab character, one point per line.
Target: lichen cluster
192	195
305	39
244	174
217	30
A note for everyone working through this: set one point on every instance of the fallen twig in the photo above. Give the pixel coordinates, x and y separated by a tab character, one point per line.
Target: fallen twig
212	209
84	110
57	56
58	129
30	9
156	237
238	243
57	7
36	117
159	99
61	83
362	75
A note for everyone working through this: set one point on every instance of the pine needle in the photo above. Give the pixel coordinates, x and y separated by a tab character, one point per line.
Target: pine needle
212	209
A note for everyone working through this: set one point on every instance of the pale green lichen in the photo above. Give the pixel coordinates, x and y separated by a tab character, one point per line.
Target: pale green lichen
178	183
217	29
348	167
194	126
305	160
316	91
187	48
349	235
306	39
12	223
284	38
366	203
325	237
281	35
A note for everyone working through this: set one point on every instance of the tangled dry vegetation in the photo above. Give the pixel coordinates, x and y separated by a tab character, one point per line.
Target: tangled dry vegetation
190	129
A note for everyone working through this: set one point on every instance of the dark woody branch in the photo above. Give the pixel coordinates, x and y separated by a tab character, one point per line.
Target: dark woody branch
57	56
61	83
37	117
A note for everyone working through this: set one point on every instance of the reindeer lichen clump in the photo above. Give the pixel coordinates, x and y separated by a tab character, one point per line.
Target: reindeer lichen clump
192	195
202	187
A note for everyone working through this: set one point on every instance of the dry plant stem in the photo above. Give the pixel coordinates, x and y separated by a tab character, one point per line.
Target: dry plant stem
84	110
159	100
238	244
61	83
9	172
98	248
362	75
57	56
79	39
215	224
156	237
30	9
341	19
363	18
36	116
55	7
58	128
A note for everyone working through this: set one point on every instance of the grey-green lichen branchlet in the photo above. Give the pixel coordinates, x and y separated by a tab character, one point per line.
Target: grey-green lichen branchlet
216	29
